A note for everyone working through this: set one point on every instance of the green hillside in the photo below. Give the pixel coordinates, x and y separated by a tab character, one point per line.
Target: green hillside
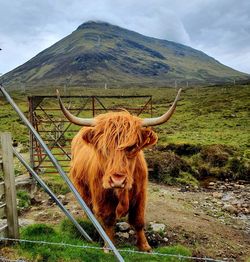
98	53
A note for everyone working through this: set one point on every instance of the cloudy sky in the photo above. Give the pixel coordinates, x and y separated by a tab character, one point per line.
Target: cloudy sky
220	28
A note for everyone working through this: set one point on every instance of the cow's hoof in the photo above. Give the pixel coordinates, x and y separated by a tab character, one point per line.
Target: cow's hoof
106	250
145	248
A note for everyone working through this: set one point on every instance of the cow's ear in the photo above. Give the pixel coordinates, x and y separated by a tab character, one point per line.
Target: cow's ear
149	137
88	135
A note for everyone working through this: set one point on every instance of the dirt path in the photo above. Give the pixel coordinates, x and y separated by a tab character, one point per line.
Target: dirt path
185	216
191	219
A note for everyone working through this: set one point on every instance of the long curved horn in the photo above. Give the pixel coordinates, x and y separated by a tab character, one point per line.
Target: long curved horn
73	119
164	118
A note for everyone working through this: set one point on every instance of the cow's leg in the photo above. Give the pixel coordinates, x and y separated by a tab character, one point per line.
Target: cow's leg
81	187
108	223
110	232
136	219
107	218
83	190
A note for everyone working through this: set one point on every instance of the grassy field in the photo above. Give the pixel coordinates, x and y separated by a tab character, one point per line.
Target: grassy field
56	253
209	115
207	136
205	117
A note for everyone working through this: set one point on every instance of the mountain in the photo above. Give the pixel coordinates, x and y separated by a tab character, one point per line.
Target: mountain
97	53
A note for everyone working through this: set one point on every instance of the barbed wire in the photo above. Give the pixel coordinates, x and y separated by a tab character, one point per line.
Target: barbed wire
180	257
5	259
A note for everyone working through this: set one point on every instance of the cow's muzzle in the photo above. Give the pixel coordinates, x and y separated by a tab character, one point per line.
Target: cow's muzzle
117	181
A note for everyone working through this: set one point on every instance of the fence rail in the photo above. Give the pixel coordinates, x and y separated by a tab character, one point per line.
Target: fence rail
8	189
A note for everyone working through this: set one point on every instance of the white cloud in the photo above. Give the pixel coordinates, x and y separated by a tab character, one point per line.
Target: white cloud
221	28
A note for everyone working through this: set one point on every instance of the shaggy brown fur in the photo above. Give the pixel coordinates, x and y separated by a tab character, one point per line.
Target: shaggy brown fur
109	170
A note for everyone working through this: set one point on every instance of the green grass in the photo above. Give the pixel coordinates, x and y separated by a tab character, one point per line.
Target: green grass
23	199
187	179
205	116
57	253
55	183
211	115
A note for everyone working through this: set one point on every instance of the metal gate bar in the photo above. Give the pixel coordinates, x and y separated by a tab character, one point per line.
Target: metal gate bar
51	194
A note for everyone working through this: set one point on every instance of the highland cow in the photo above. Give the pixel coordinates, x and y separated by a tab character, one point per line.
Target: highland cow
108	167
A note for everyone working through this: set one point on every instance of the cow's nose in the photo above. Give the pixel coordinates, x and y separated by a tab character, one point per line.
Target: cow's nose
117	180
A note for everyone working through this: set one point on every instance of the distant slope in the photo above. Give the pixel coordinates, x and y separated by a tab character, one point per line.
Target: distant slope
98	53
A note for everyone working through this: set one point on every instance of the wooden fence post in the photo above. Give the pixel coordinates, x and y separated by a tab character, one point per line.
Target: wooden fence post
10	187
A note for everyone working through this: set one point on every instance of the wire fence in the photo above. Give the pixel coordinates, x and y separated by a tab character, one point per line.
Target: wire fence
5	259
177	256
68	87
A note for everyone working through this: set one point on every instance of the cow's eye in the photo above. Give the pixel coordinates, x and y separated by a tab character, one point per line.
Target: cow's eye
131	149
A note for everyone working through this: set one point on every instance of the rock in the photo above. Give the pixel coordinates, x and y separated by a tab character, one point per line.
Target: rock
231	209
75	212
123	235
35	201
217	195
211	185
183	189
157	227
239	205
237	186
65	202
214	201
246	211
63	199
50	202
222	187
236	202
131	232
123	226
41	215
56	215
165	239
196	187
228	196
25	222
